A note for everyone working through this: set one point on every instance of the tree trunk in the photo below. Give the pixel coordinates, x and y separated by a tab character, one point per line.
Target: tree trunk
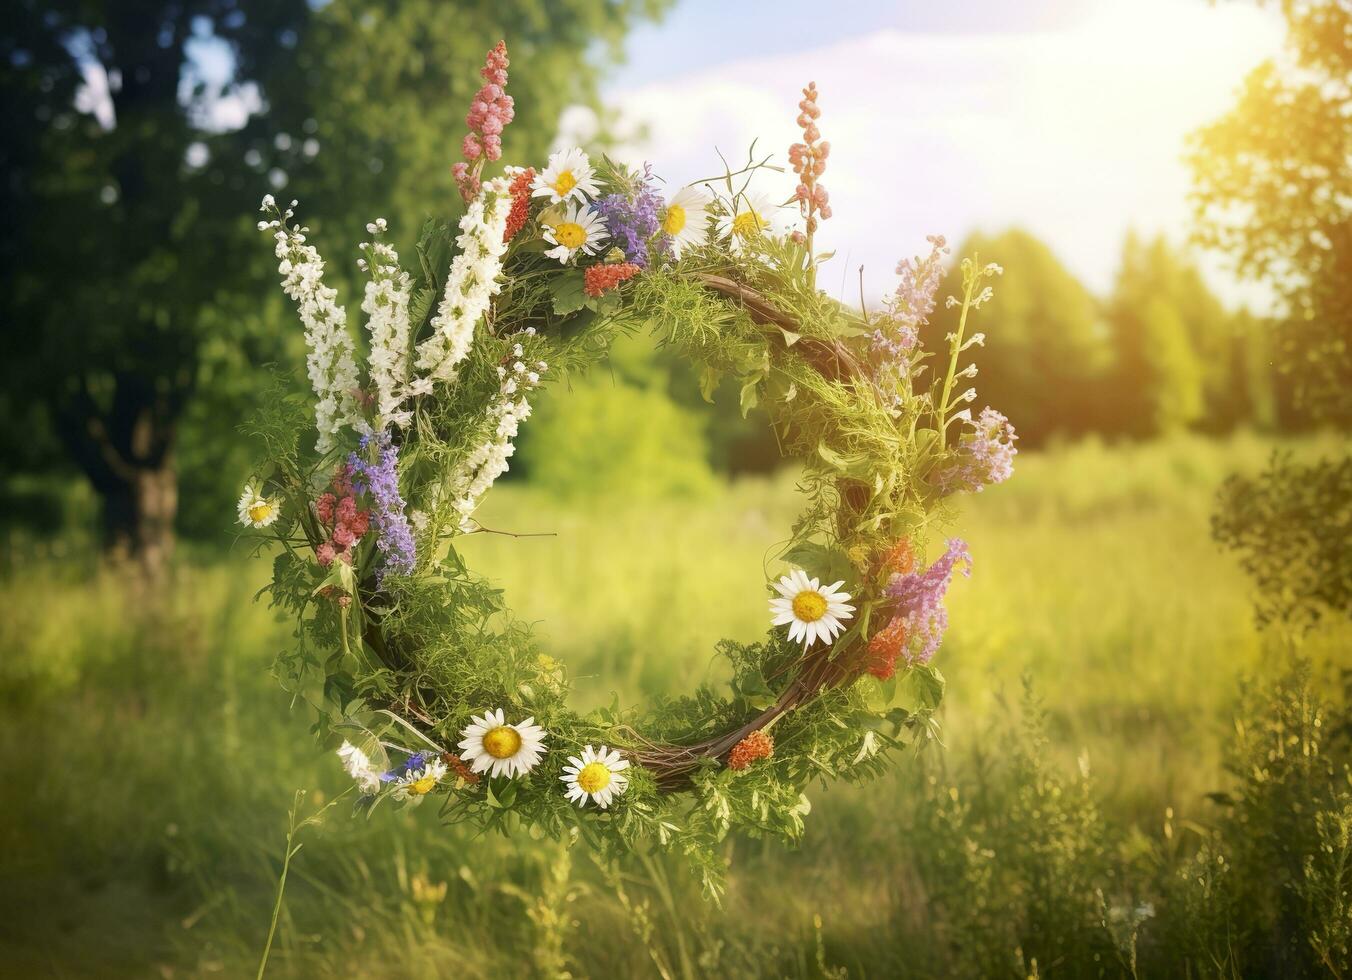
126	449
138	518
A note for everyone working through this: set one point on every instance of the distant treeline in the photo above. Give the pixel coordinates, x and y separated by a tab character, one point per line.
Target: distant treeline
1161	353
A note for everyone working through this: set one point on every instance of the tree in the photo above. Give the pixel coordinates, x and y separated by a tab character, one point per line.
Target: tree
128	249
1044	347
1172	343
1273	189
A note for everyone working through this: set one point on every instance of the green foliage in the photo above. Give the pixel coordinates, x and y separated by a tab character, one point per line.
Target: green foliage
1175	362
1273	188
1268	890
1291	526
604	436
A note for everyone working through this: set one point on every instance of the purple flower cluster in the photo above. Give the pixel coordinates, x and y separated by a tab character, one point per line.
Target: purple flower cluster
416	761
381	480
984	456
632	221
910	306
920	599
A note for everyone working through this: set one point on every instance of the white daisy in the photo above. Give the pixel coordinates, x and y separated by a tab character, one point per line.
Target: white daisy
491	745
358	766
748	216
686	220
256	510
569	176
580	228
599	775
413	785
815	611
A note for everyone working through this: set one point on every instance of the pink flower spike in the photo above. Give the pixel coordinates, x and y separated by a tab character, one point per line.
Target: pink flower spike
489	113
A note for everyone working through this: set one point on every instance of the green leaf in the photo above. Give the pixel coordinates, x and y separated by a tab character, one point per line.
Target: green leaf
928	684
708	383
829	564
568	293
750	396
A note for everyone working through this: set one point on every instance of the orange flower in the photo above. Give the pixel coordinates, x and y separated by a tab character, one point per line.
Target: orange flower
516	218
887	645
757	745
901	559
601	279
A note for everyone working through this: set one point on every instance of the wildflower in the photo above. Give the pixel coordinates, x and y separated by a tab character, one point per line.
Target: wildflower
520	211
256	510
813	612
909	307
381	480
493	746
491	110
488	461
808	160
757	745
358	766
580	229
746	218
632	221
985	455
596	774
685	223
901	558
418	780
330	363
385	303
340	516
887	645
470	285
920	601
597	280
568	177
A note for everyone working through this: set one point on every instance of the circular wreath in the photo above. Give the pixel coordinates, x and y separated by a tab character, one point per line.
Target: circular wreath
415	664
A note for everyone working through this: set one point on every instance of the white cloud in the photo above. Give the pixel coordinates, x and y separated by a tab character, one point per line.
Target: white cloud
1076	134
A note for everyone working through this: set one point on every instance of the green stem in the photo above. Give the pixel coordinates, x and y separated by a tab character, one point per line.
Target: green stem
292	850
968	285
281	883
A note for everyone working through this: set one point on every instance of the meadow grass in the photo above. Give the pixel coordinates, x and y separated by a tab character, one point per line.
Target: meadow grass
149	759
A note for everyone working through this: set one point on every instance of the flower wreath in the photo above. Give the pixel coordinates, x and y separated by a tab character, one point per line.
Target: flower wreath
416	665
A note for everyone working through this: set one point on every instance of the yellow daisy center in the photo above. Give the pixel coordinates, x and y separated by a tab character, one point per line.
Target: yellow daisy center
594	777
422	786
809	606
502	742
748	223
259	511
564	183
570	234
675	219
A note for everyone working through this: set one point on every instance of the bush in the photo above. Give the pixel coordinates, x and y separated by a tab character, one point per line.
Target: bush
603	437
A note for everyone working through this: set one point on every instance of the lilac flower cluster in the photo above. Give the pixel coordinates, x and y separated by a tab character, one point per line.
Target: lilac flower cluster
381	480
984	456
632	221
920	599
910	306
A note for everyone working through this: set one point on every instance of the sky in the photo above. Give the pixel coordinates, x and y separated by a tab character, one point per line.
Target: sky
1066	117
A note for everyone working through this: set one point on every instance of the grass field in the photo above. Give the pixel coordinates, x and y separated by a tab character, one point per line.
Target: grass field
149	764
